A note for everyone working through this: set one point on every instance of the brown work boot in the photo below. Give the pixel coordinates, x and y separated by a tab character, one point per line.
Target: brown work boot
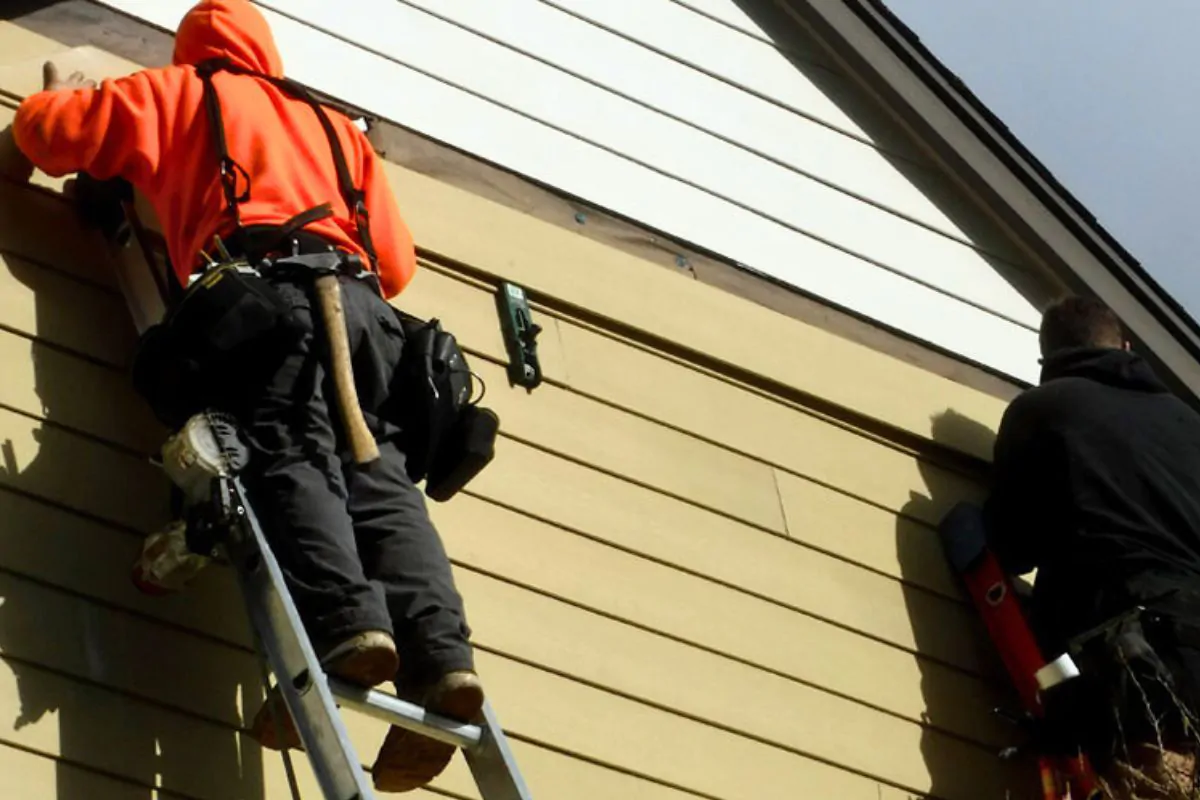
409	760
366	659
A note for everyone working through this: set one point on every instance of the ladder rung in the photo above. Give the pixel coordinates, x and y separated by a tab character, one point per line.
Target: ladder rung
403	714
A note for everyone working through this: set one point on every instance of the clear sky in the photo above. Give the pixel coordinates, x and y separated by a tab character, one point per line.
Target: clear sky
1106	93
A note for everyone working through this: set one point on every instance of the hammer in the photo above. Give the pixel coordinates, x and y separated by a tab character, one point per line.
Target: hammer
325	267
329	296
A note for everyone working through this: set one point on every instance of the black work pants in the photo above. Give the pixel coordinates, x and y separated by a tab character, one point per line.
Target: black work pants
355	542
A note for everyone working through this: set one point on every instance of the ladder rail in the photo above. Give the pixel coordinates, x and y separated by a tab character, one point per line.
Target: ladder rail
493	764
312	696
291	657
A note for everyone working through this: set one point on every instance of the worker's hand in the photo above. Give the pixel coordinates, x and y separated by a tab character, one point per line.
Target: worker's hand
51	82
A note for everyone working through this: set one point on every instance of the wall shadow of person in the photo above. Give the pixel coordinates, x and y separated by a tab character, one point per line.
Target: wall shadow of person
127	693
929	580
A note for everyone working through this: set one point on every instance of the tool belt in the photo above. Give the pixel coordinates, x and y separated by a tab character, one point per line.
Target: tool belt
230	323
227	322
1129	690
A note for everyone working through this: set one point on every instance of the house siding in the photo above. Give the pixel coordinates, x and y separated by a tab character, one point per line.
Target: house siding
698	567
688	126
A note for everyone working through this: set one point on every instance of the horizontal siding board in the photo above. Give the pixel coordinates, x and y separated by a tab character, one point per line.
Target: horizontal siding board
709	615
63	311
212	682
506	244
698	684
520	143
718	407
749	423
26	775
757	562
728	12
33	776
678	31
58	396
113	733
485	537
23	233
54	464
664	144
108	648
23	77
642	450
126	653
53	546
679	396
792	141
881	540
206	679
73	393
673	749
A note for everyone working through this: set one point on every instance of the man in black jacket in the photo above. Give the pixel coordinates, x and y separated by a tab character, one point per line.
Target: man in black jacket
1097	487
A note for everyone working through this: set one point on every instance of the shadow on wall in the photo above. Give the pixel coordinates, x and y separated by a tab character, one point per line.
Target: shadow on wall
95	680
919	551
785	24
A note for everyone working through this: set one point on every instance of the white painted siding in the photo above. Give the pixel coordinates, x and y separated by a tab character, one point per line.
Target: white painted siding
693	126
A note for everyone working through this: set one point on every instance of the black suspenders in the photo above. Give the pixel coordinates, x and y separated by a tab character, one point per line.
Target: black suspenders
232	174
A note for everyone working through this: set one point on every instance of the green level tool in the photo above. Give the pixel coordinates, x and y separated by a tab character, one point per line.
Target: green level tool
520	336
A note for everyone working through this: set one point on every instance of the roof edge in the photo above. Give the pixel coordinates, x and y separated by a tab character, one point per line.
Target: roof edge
1037	176
842	22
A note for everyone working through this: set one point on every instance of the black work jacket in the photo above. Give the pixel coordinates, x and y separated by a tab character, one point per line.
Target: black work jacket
1097	485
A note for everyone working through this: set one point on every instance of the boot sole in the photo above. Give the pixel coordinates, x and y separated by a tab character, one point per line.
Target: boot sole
408	760
367	668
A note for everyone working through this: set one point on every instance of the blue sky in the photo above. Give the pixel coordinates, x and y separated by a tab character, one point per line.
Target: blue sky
1106	94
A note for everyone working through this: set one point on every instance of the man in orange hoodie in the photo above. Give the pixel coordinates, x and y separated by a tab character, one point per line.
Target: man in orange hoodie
364	564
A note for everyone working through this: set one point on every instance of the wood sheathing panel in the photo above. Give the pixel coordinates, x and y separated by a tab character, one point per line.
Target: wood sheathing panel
702	563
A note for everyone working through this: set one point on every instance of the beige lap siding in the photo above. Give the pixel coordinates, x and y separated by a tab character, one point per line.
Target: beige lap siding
681	585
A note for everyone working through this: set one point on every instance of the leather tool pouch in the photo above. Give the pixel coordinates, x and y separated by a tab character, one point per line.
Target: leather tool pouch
227	325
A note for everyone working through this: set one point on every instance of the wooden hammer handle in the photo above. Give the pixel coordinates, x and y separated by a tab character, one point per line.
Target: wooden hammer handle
362	442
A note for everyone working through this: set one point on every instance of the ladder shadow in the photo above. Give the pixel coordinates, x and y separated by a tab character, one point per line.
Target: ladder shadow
123	701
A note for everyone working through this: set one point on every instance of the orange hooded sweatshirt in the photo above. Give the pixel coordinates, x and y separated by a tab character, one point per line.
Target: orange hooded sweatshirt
150	128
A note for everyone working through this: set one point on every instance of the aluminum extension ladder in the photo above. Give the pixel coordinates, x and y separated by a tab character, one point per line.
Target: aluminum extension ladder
309	693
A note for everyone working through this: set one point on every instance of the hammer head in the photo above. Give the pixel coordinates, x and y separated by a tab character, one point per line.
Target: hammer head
319	263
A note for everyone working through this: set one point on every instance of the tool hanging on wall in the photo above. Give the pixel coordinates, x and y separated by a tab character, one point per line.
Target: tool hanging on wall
520	336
